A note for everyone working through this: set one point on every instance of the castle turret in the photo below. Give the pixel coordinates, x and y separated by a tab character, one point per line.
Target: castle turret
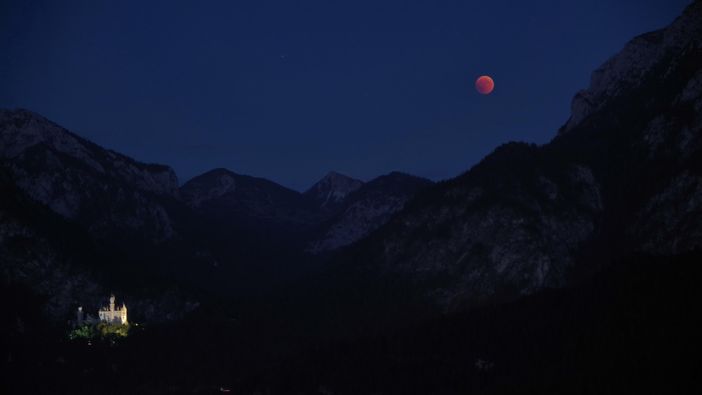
112	302
123	313
79	316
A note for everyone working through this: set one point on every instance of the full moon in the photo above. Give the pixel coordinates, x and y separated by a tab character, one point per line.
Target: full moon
484	84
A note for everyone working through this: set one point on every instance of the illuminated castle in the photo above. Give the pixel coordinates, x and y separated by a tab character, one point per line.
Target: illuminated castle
112	314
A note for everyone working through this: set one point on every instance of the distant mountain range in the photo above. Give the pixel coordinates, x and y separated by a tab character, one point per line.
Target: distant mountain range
623	175
217	225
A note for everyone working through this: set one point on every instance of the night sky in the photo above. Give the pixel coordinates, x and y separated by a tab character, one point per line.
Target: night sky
289	90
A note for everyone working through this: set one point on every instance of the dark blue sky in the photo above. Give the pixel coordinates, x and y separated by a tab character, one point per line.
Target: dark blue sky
289	90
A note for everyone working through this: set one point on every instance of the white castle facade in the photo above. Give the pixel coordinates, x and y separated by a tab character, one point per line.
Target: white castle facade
110	314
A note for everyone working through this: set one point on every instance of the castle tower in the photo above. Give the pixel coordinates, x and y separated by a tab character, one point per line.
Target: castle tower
112	302
123	313
79	316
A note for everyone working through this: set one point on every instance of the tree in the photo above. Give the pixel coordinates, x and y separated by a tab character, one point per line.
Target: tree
112	331
82	332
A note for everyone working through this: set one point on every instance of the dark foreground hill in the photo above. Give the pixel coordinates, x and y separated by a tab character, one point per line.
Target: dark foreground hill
631	328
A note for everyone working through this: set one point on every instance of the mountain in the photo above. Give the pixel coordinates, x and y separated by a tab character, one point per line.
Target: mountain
79	221
623	175
220	231
76	178
366	209
59	261
660	51
334	212
34	245
257	201
251	229
331	191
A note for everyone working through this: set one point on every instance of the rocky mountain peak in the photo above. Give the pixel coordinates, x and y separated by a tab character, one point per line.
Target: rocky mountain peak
368	208
23	133
651	52
332	189
78	179
23	129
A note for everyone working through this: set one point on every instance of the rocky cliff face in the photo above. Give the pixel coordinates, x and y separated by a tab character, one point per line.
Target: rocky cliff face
29	256
653	52
667	222
106	191
623	175
58	261
511	225
367	209
646	120
78	221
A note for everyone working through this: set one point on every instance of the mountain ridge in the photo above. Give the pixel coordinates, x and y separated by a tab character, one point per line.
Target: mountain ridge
332	189
618	178
366	209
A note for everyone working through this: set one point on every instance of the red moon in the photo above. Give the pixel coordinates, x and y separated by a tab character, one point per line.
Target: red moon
484	84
